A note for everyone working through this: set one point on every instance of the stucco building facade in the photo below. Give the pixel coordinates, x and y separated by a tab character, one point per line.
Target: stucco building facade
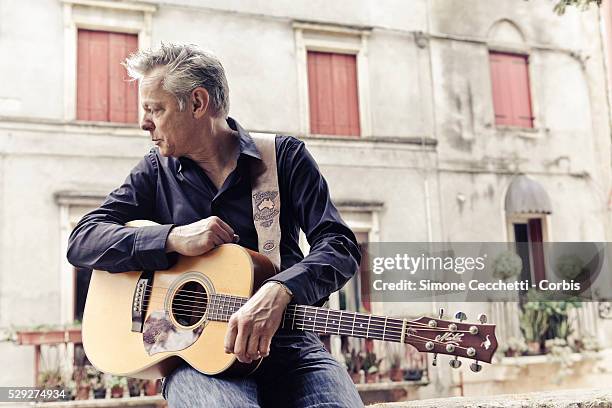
430	160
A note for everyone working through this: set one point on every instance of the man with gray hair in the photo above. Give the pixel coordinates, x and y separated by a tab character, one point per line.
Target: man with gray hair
195	184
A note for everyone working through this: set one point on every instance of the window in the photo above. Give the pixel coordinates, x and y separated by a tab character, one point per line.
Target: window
332	94
333	80
510	83
104	92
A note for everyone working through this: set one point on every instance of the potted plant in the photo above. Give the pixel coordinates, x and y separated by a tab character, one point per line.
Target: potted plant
52	379
507	265
152	387
81	383
395	369
135	386
96	382
413	374
49	334
354	365
117	385
534	323
371	366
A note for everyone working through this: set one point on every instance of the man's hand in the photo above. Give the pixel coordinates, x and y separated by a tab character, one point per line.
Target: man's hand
251	328
199	237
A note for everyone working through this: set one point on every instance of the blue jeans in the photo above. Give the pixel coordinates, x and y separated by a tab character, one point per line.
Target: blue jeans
284	379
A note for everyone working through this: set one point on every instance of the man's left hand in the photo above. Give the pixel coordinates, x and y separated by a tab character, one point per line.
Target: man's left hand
251	328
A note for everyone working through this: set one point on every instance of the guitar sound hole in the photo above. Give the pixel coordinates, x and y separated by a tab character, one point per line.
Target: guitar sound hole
189	303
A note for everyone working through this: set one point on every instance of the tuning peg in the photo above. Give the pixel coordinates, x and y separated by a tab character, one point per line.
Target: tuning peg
460	316
482	318
434	362
455	363
475	367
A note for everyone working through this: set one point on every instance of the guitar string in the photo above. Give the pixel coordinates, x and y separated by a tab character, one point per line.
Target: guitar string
364	333
301	319
232	298
390	322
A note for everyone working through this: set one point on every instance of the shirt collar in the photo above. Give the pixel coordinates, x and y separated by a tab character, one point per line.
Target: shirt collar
247	146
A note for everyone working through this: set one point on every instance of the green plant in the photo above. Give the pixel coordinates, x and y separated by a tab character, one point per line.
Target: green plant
354	361
96	378
534	322
371	363
117	381
507	265
569	266
50	378
543	319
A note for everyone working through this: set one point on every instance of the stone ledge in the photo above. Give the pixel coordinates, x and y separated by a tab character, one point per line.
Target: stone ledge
559	399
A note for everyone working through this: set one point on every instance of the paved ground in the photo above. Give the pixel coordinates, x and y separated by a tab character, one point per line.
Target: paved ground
599	398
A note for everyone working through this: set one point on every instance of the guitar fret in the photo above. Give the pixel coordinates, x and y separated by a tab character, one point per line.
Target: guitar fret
384	328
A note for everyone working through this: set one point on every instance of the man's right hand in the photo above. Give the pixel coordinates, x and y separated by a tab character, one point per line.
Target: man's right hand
199	237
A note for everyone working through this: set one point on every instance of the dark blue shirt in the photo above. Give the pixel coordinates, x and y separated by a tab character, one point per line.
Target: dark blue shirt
174	191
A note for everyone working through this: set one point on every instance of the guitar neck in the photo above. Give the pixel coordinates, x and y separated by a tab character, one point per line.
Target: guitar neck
320	320
328	321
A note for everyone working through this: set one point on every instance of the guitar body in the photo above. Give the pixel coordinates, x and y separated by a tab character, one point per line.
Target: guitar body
113	346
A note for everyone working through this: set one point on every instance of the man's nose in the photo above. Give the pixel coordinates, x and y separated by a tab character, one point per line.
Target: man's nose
147	125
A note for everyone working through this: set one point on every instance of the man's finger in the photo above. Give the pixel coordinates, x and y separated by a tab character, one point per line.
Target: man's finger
223	225
253	346
230	336
240	346
264	345
222	233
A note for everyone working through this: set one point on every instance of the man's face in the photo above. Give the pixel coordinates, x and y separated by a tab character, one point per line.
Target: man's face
170	129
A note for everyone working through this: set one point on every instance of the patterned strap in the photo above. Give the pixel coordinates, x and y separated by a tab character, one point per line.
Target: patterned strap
266	198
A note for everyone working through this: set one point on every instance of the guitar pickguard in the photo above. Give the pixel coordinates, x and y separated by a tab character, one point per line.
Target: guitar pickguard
160	334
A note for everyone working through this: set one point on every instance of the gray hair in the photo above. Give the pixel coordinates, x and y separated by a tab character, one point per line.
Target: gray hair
188	67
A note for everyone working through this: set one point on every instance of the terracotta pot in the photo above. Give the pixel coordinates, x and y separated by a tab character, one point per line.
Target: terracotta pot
117	391
49	337
396	374
151	387
83	392
372	378
533	347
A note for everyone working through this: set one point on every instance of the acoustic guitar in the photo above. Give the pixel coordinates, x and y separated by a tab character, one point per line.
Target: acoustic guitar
144	323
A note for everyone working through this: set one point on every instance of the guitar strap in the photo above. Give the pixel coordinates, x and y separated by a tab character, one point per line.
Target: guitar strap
265	196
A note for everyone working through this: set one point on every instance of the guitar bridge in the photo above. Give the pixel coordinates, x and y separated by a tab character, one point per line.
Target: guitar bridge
140	300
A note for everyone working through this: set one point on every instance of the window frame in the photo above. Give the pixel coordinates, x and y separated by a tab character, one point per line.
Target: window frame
100	15
338	40
72	207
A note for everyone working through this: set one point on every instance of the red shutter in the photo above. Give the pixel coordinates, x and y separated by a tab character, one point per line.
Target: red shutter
332	90
537	249
104	92
510	83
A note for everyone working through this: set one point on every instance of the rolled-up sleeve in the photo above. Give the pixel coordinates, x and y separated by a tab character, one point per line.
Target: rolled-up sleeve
334	254
102	241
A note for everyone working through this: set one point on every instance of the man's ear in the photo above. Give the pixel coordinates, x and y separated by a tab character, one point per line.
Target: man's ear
199	102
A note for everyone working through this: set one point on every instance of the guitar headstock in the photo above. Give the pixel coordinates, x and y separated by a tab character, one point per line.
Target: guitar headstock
475	341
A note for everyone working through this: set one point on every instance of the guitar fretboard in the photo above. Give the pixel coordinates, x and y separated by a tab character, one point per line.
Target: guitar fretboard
317	319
